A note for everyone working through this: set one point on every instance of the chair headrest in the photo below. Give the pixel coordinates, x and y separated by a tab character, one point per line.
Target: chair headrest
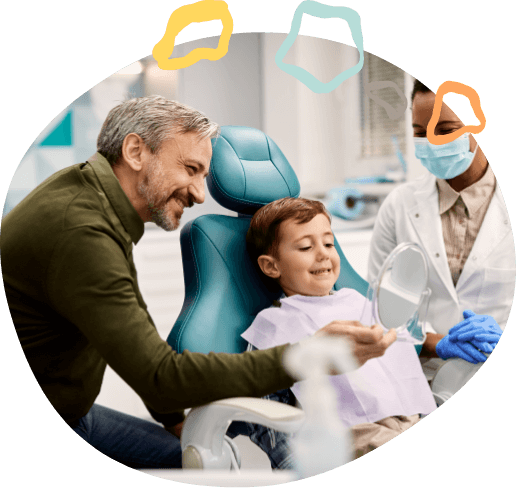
248	171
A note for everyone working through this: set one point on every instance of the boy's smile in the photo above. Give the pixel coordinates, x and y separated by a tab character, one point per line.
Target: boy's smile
307	262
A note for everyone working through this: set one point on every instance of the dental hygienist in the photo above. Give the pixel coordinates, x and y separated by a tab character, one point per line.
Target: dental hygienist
457	213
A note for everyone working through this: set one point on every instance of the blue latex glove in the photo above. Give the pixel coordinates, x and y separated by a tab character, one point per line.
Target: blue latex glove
478	328
464	350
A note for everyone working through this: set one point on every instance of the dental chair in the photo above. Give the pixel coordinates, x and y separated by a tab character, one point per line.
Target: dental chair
224	289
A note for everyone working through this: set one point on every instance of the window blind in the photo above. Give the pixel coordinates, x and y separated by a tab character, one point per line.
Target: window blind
377	128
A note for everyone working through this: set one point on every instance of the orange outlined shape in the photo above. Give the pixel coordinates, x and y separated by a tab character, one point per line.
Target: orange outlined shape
475	103
202	11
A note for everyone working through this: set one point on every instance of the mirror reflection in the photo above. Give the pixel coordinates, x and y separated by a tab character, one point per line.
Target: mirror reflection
401	287
399	297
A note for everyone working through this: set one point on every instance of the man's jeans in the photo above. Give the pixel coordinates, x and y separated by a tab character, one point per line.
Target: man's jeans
274	443
140	444
129	440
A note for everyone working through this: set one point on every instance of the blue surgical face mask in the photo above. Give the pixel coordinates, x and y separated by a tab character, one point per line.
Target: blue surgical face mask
445	161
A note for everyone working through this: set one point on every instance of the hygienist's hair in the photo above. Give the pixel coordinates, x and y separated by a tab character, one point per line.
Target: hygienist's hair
418	87
155	119
263	235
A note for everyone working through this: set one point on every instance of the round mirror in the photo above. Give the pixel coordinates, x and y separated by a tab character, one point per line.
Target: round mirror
402	280
399	297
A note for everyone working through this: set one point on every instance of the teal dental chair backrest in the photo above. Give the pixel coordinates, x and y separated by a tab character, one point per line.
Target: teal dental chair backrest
224	290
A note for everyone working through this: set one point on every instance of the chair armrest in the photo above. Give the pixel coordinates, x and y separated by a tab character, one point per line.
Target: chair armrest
451	376
202	437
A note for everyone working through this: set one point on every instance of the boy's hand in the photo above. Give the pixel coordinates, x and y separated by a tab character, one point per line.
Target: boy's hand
175	429
366	342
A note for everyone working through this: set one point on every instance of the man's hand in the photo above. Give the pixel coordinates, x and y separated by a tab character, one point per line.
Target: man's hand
366	342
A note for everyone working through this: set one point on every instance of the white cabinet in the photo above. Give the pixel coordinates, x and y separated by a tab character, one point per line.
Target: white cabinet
160	276
355	245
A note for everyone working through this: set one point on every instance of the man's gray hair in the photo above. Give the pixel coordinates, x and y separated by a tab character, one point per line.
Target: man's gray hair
155	119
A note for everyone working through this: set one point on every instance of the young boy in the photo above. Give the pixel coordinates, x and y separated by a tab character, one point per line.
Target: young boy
292	242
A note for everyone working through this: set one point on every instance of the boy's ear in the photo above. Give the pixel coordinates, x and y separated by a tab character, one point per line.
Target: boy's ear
268	266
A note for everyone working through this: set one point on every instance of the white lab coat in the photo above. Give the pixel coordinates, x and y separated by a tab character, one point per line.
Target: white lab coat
486	285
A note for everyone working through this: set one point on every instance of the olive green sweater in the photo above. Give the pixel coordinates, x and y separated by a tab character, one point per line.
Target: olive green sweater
71	287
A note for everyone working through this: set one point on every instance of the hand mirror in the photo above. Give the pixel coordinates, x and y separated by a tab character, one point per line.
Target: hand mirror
399	296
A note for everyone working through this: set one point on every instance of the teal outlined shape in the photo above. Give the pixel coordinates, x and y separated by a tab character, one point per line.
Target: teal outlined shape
322	11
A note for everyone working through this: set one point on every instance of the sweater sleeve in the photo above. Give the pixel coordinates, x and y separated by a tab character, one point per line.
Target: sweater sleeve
89	283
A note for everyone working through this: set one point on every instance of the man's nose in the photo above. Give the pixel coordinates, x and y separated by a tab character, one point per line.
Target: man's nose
197	190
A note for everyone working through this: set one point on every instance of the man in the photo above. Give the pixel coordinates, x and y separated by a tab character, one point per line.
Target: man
457	213
72	288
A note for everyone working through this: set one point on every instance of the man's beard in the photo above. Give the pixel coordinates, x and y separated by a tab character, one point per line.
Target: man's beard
149	190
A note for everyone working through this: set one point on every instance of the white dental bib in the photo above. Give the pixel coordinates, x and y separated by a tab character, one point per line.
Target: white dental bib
391	385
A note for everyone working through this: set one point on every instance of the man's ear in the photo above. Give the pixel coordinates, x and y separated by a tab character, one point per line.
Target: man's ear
134	152
268	266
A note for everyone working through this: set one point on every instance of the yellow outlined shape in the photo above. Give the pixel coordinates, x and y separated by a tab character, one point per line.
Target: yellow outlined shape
202	11
475	103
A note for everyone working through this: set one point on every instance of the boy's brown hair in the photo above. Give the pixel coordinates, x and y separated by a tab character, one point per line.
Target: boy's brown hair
263	234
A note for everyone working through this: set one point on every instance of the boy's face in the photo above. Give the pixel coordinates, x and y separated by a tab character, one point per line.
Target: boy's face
307	262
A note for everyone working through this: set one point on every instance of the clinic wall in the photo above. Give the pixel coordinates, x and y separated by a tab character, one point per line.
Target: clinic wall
305	125
321	142
280	103
321	134
308	127
229	90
